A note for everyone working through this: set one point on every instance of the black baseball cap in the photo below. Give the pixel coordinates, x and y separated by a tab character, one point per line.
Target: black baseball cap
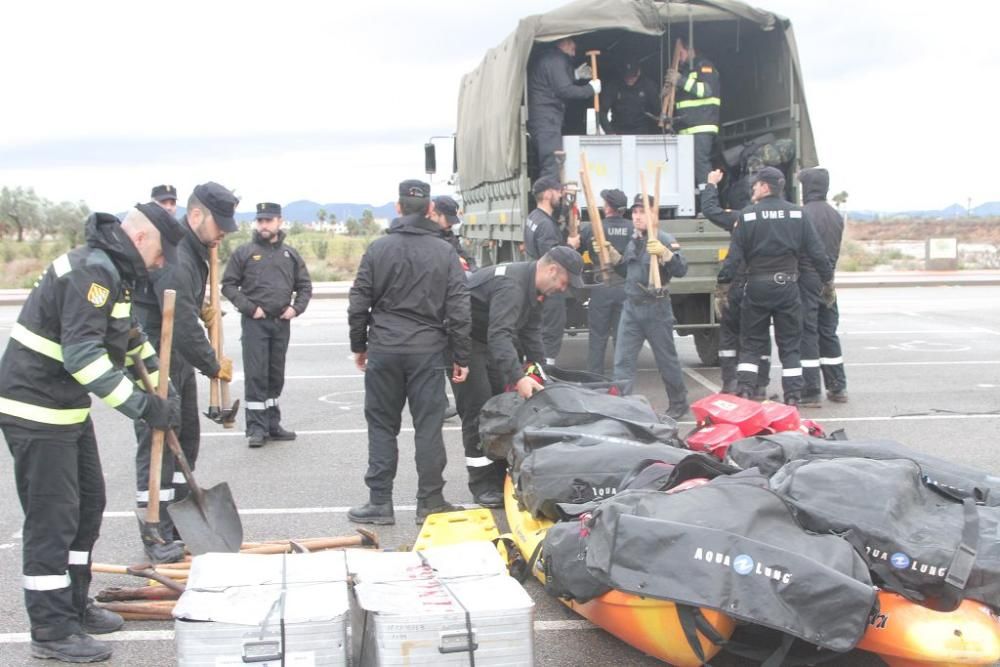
546	183
447	207
221	202
570	260
163	193
268	210
615	198
414	188
170	230
773	177
639	201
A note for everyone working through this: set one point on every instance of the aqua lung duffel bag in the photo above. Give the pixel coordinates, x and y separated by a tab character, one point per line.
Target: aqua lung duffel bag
498	424
573	465
564	561
733	545
917	541
768	453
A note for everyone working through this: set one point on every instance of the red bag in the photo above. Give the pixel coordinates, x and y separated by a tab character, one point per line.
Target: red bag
781	417
728	409
714	439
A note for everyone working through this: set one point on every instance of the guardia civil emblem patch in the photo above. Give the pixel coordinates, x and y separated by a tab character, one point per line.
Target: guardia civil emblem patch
98	294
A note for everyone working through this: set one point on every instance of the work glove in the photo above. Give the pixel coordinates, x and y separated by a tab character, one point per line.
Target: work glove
614	257
225	370
657	249
208	314
583	72
157	412
596	85
828	295
672	77
721	299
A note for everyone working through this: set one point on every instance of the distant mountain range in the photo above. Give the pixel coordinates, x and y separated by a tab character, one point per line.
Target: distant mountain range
989	209
306	211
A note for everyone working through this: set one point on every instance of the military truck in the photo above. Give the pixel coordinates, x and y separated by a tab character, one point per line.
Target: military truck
762	101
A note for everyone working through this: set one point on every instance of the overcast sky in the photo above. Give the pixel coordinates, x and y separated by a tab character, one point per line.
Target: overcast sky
333	101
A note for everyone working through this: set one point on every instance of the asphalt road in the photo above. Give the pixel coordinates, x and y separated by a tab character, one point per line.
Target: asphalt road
923	368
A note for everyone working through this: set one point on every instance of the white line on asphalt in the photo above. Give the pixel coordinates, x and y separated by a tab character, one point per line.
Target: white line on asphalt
902	418
334	431
168	635
702	380
267	511
953	332
318	344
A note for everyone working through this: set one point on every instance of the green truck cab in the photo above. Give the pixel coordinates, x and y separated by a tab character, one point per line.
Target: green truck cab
762	101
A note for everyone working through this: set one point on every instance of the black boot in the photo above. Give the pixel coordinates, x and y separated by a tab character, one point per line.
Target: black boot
256	440
75	648
377	513
436	506
677	410
278	433
98	621
837	395
490	498
811	401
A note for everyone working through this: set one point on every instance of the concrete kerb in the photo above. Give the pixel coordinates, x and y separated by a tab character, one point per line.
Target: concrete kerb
339	290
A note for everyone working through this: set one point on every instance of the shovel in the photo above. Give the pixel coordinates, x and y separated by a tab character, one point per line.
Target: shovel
207	519
219	409
149	521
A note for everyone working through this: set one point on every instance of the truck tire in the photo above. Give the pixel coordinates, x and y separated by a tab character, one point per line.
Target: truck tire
706	341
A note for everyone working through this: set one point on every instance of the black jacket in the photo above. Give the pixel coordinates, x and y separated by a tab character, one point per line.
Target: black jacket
725	218
265	274
772	236
825	218
617	231
506	313
468	262
698	97
628	107
73	334
550	85
409	294
541	234
188	277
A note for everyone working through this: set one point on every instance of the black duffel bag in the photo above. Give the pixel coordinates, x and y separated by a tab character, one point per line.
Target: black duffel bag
498	424
564	561
733	545
574	465
917	541
768	453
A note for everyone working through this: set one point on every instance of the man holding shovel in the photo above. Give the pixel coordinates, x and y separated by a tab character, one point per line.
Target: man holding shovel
70	341
209	217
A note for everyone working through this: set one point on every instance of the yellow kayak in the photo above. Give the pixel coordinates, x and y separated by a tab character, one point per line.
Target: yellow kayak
650	625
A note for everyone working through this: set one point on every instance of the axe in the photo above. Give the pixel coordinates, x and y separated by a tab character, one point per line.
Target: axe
219	409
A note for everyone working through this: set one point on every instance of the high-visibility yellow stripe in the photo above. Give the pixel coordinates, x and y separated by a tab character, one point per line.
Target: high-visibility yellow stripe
145	351
61	265
120	393
689	84
704	102
43	415
36	343
154	379
93	370
698	129
122	310
699	89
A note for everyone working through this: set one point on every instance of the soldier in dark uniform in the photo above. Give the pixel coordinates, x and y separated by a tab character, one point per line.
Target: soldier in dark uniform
697	105
70	341
541	234
506	316
210	210
552	82
729	296
444	211
830	229
647	316
605	306
268	282
165	196
631	105
770	237
409	308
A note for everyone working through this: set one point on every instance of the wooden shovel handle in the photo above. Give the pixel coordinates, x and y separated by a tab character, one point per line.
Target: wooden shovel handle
162	390
593	66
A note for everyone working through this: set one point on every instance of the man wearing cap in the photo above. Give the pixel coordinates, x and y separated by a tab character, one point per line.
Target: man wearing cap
772	237
269	284
541	234
408	308
165	196
648	316
444	212
698	103
210	210
605	306
506	316
631	105
70	340
552	82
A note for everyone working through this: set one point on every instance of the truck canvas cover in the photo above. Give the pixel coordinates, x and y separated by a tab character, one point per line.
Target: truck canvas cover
488	129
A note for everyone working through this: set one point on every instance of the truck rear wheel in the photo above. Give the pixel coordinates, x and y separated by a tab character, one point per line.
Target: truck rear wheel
706	342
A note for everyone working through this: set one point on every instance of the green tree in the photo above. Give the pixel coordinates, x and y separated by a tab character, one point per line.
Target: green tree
20	209
321	215
353	227
67	220
840	198
368	225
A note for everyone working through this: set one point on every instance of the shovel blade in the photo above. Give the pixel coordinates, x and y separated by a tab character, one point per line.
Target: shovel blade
217	529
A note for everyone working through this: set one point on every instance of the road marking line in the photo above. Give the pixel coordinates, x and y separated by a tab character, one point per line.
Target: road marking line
702	380
318	344
332	431
903	418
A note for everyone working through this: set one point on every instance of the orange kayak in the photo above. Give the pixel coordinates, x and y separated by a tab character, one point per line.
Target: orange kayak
907	634
650	625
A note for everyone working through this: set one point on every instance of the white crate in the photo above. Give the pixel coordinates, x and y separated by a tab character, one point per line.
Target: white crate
434	621
456	560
